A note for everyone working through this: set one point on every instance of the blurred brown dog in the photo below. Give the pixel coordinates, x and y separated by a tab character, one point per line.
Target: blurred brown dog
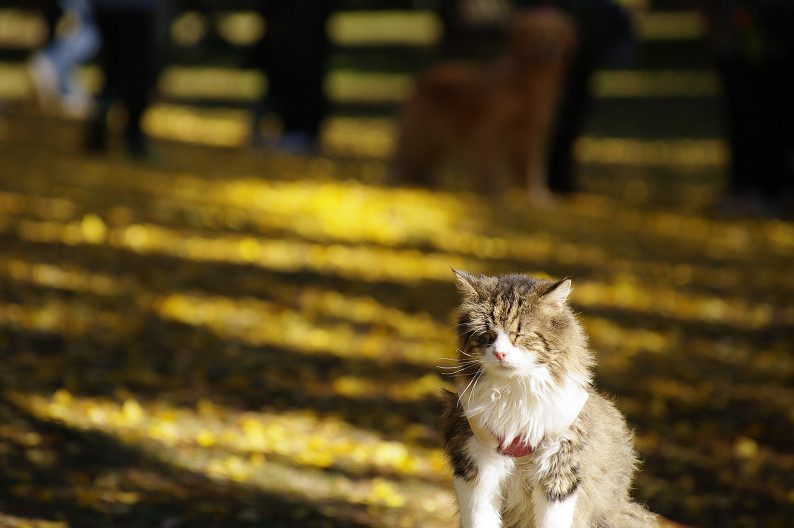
500	117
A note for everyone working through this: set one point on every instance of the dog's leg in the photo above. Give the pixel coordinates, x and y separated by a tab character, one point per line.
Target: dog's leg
417	158
519	167
486	168
537	172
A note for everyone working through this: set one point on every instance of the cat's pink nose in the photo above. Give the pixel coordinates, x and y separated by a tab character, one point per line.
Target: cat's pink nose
499	355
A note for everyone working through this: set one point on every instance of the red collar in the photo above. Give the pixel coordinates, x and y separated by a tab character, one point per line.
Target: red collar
516	449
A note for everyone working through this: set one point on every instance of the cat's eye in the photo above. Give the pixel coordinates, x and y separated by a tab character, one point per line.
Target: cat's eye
486	338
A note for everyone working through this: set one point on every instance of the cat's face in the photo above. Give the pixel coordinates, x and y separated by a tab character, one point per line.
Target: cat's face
514	326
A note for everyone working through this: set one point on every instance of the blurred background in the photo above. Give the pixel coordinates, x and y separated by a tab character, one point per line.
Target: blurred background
215	312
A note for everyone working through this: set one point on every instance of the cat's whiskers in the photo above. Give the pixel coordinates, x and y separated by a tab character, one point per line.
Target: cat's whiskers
465	362
454	360
457	369
471	387
453	374
449	367
471	392
463	392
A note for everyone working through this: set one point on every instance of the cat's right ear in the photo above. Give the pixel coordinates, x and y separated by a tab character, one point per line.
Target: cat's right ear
557	294
467	284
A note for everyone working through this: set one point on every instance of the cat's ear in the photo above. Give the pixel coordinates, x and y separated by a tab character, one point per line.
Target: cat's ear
557	294
468	284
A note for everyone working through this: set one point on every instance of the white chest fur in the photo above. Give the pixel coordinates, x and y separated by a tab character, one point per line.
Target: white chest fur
511	408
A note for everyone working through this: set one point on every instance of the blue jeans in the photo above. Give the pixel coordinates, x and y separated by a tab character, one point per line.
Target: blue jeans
78	45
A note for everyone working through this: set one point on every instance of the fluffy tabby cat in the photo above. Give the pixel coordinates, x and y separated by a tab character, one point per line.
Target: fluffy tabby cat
531	442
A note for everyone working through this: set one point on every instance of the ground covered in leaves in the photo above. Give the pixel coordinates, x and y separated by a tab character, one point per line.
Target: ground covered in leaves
238	338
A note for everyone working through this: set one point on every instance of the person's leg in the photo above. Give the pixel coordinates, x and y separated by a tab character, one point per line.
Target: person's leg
129	65
743	99
297	51
75	47
776	126
574	105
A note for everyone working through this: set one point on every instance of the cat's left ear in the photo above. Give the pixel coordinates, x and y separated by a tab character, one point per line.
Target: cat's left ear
467	284
557	294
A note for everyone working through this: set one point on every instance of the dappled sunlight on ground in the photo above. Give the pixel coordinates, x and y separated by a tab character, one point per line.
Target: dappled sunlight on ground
242	338
264	449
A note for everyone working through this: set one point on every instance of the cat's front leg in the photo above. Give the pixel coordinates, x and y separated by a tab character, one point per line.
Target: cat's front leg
551	512
555	492
478	490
